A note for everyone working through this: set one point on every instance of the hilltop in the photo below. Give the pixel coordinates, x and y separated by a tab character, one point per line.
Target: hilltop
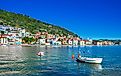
31	25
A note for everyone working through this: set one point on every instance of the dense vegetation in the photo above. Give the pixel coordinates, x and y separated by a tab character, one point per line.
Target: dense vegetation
30	24
28	40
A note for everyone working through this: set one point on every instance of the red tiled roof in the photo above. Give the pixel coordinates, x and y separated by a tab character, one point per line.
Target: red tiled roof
4	35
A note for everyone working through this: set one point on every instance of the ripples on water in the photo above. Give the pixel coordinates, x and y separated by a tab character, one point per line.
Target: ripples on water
17	60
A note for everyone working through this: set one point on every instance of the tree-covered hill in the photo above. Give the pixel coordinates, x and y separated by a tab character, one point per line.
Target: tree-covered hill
30	24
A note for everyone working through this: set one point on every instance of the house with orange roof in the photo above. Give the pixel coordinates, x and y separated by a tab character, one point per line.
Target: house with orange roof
65	41
4	39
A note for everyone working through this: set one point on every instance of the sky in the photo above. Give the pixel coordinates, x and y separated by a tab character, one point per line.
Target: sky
87	18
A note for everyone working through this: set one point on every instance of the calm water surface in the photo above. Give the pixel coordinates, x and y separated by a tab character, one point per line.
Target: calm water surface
23	61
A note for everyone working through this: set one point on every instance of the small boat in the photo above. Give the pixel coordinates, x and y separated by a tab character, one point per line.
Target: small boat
89	60
40	53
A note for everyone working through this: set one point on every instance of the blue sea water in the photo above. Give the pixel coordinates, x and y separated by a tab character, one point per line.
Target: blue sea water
23	61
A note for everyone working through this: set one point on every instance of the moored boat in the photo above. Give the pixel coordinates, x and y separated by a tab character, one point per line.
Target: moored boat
40	53
89	60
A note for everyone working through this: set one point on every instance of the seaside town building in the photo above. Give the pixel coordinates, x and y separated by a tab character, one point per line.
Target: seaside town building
82	42
70	41
13	36
3	39
75	42
64	41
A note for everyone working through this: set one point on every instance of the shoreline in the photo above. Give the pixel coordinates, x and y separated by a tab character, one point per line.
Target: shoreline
37	45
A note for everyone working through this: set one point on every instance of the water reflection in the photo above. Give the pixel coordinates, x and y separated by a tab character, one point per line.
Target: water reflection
10	54
96	67
57	61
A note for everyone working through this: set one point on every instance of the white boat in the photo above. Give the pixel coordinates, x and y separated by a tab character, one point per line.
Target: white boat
40	53
89	60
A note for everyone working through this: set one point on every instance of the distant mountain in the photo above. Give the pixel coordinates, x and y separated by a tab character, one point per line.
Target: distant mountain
31	25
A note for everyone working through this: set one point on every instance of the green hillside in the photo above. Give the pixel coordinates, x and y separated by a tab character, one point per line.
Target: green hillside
30	24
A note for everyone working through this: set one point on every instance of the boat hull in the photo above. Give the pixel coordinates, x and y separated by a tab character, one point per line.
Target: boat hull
90	60
40	53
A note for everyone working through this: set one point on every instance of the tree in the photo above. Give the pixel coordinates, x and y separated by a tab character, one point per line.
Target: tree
30	24
28	40
2	32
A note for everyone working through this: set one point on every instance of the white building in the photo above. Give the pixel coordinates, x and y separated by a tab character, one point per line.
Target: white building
22	33
27	34
70	42
3	39
42	41
82	42
75	42
99	43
